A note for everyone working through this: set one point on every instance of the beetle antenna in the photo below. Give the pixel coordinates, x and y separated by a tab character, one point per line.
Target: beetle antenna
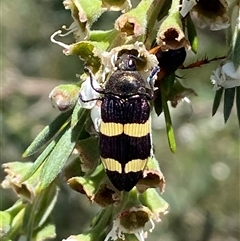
87	70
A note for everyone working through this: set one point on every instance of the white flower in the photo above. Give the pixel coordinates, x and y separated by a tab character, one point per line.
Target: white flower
187	5
109	59
226	76
220	22
203	14
87	95
118	230
96	116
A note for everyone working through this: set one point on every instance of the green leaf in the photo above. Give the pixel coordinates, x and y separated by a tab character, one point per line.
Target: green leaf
228	102
236	51
192	34
47	134
60	153
168	121
217	100
39	161
238	104
5	223
37	213
236	44
46	204
43	156
76	115
46	232
164	10
11	222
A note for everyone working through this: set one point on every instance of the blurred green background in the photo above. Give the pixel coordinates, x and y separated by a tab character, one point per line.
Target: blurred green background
202	176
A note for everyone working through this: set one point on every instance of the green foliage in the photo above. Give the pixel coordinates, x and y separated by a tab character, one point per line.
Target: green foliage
70	141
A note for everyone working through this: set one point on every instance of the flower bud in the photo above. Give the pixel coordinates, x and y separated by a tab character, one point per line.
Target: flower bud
64	97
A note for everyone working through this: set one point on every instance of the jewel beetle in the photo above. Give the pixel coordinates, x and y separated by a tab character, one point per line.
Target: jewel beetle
125	129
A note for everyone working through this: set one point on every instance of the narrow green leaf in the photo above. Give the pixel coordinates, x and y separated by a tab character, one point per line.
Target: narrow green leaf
28	220
16	225
76	115
5	224
238	104
11	221
44	203
60	153
217	100
47	232
236	43
168	121
46	134
164	10
48	201
228	102
42	157
15	208
236	51
39	161
192	34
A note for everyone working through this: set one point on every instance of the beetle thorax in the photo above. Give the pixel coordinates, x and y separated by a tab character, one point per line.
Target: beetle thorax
125	83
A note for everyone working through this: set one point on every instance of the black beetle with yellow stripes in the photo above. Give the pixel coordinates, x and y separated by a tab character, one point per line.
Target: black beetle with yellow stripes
125	128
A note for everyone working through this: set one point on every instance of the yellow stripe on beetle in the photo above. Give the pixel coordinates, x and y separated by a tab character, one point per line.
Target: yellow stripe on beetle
136	129
111	128
135	165
130	129
111	165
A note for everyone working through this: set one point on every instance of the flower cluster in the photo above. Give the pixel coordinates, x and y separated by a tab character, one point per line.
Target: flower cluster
157	41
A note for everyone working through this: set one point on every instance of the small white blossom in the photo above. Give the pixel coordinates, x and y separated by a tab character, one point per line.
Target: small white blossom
96	116
215	24
187	5
88	96
204	15
109	59
117	232
226	76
